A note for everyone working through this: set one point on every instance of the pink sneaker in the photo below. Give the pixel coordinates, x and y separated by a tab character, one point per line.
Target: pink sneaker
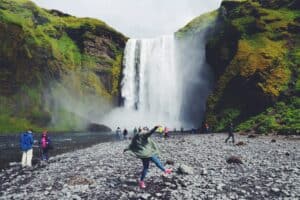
142	184
168	171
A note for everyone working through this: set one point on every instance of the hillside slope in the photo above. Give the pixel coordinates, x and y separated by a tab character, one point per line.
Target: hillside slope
45	53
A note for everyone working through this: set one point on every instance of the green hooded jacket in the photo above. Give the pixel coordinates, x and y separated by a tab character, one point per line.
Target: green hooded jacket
143	146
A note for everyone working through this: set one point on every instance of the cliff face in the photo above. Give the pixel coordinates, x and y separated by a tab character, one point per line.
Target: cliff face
253	49
40	49
254	52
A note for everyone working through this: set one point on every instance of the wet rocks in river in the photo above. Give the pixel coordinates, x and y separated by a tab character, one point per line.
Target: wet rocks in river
92	127
273	140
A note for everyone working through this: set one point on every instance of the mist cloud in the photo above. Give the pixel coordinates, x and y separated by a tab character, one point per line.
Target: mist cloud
136	18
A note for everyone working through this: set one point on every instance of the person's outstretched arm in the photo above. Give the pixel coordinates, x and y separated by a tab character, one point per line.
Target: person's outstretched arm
151	132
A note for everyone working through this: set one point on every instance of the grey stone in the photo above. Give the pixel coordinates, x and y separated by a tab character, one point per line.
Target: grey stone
184	169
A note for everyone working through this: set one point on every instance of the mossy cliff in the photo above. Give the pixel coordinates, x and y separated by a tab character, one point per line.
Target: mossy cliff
41	47
254	51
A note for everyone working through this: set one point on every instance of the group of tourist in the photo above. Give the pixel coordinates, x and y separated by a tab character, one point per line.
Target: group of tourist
119	134
26	144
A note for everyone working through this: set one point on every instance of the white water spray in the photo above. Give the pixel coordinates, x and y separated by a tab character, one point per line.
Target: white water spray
151	83
162	81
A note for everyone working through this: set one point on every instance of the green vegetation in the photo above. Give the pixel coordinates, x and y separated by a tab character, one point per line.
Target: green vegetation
283	117
198	24
255	55
40	47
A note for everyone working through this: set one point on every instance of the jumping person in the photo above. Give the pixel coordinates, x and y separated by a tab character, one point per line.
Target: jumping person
230	133
26	143
144	148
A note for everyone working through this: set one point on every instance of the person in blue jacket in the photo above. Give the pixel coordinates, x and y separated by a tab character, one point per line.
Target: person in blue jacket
26	143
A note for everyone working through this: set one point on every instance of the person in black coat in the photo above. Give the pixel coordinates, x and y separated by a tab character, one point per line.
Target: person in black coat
230	133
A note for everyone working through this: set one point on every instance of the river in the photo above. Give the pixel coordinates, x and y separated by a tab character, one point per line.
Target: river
62	142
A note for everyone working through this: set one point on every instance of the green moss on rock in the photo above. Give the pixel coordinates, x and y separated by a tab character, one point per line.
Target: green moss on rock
253	52
39	47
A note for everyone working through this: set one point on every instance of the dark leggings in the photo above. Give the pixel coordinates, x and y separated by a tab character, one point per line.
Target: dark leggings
146	162
230	136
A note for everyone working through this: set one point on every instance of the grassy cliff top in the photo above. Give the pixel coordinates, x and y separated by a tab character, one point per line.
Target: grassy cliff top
198	24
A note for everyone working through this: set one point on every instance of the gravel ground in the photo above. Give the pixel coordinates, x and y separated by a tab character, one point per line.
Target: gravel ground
270	170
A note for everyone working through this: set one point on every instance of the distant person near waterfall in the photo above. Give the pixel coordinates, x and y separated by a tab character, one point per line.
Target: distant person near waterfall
135	131
125	133
230	133
145	148
118	133
45	145
166	132
26	143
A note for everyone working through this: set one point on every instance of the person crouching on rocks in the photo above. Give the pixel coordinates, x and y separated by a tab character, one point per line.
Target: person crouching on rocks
26	143
145	148
45	144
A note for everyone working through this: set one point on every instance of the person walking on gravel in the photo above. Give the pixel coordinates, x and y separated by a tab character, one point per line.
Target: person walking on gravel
230	133
145	148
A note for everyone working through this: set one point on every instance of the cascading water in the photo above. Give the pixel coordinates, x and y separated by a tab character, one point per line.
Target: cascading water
165	81
151	85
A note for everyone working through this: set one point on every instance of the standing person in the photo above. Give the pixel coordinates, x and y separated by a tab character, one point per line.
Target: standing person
144	148
166	132
230	133
118	133
45	145
135	131
125	133
26	143
181	129
206	126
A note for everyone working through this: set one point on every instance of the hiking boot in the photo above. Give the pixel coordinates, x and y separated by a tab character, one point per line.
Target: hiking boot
168	171
142	184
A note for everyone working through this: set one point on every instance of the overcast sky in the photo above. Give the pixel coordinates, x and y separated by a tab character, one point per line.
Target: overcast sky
136	18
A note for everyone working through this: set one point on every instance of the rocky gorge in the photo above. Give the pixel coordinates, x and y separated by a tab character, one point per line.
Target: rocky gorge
270	169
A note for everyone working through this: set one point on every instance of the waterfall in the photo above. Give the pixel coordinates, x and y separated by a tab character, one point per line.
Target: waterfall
151	83
165	81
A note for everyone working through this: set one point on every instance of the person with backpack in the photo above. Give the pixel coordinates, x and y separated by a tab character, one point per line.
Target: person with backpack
45	145
145	148
26	143
230	133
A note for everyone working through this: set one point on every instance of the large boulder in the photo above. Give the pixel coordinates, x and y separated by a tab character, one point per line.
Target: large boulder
185	170
93	127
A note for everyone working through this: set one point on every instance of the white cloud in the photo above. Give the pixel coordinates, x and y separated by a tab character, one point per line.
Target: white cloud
136	18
